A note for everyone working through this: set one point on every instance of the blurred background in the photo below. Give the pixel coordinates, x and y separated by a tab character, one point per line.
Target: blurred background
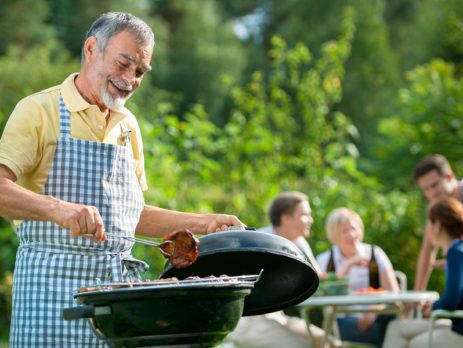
338	99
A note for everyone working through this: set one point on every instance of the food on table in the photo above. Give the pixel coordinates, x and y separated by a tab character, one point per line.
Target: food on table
369	290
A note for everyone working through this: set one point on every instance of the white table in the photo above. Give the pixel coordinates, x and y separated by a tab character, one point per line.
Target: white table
332	305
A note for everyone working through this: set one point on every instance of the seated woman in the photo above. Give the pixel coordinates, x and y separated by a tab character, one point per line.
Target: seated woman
365	265
446	217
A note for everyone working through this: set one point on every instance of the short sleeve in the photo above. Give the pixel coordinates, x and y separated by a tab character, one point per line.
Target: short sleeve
383	261
322	260
20	148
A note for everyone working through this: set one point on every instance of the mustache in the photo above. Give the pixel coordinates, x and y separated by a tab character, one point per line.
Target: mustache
121	84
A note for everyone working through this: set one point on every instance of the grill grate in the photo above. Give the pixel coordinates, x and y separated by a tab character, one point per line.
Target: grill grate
222	280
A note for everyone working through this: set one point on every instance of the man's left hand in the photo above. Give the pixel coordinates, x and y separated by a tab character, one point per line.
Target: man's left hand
221	222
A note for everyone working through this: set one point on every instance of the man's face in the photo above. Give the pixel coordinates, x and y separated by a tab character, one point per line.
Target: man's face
300	221
118	71
435	186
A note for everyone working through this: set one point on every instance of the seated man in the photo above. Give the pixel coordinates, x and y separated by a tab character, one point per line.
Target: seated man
291	217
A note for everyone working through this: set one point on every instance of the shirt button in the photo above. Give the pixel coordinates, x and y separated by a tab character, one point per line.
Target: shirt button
100	126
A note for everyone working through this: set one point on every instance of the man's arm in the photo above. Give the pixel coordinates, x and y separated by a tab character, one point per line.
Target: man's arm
157	222
426	258
19	203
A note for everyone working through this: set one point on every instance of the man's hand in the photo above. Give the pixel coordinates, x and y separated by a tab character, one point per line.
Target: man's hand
221	222
80	219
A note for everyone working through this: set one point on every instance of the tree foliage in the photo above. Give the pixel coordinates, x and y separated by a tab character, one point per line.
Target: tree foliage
230	121
429	120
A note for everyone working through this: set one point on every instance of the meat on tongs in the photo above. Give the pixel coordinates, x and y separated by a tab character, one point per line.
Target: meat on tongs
183	251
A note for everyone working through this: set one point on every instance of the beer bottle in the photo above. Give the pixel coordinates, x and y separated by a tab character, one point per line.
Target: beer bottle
331	268
373	271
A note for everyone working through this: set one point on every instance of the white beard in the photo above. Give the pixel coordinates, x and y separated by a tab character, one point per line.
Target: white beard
112	103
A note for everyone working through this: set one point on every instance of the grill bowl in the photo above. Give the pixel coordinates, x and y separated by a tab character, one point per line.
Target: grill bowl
193	315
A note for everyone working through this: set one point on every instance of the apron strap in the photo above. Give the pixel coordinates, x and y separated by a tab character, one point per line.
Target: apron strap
64	119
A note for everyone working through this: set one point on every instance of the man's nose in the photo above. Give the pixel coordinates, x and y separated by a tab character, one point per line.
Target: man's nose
130	77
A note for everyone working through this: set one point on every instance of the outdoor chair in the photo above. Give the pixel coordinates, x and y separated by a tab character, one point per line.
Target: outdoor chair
401	279
438	314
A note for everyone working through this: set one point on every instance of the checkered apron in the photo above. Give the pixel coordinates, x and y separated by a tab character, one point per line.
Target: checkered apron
50	265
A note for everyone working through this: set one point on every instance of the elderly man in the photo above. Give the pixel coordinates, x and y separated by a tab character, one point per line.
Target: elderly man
436	179
78	154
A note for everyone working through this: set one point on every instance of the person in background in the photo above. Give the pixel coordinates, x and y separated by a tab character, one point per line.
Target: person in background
446	230
71	163
436	180
291	217
365	265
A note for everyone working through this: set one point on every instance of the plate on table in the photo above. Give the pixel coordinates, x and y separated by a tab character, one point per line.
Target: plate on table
370	291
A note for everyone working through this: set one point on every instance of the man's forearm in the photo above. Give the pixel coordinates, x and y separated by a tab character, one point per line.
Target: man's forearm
157	222
19	203
424	265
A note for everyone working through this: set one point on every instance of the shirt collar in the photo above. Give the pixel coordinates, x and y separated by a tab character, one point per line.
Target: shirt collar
71	96
75	102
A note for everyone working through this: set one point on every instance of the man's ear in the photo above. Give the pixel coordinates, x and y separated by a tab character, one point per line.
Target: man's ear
450	176
90	49
284	218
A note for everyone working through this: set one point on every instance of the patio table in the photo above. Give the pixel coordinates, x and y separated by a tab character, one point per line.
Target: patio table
333	305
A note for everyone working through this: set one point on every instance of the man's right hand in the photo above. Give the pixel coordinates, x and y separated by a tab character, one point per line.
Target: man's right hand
80	219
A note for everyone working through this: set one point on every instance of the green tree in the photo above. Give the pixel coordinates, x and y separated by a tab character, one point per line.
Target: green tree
428	120
436	32
22	23
201	48
72	18
372	74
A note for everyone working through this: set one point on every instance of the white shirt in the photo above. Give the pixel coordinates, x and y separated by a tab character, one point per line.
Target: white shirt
300	242
358	276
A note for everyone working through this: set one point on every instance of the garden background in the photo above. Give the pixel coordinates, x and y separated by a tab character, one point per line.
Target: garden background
337	98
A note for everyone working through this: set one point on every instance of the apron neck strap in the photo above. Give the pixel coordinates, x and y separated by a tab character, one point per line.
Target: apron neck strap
64	119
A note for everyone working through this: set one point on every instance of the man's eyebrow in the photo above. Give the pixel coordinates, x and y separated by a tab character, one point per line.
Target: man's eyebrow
131	58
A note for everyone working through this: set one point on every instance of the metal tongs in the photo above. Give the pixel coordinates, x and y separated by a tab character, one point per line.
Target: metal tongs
163	246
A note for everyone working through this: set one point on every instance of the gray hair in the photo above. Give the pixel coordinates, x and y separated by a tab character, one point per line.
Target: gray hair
112	23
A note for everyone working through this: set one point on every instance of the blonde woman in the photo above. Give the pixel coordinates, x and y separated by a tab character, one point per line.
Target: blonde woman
364	265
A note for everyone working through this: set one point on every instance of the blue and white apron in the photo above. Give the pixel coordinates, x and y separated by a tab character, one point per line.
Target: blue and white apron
50	265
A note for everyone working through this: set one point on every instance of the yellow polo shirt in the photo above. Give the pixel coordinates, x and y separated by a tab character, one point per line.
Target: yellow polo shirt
29	139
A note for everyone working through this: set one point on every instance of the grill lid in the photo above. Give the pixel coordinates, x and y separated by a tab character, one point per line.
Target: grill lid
287	278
